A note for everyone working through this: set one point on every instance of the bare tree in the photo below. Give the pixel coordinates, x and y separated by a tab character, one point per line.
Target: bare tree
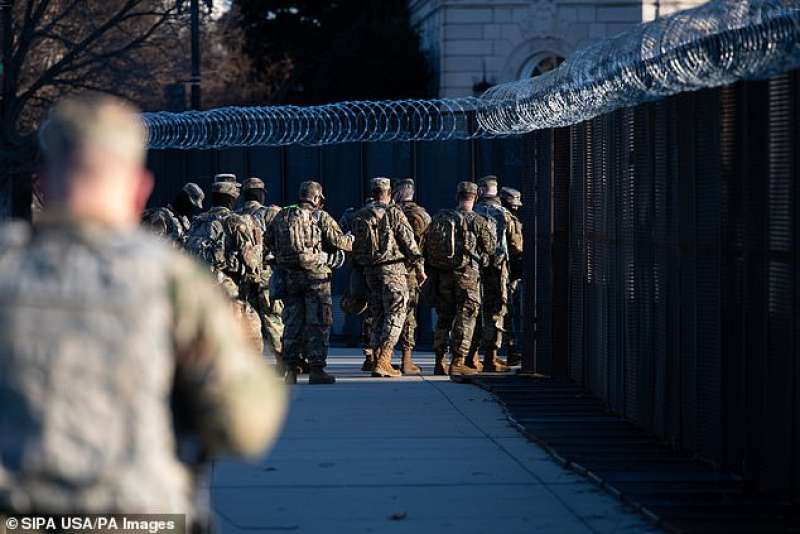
55	47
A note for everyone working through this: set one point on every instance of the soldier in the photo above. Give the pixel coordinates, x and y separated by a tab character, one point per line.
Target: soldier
101	325
457	244
308	245
494	277
419	220
173	221
269	311
231	245
354	300
384	245
512	201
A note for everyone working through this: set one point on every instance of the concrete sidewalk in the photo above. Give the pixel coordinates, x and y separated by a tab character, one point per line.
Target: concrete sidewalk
406	455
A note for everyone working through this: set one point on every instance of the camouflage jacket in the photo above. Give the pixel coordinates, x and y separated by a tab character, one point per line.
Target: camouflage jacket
166	223
263	216
329	237
418	218
507	239
402	245
99	329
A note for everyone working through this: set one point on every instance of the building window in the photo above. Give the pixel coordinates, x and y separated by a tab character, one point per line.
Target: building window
539	64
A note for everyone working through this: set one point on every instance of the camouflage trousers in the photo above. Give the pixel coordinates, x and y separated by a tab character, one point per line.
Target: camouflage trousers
307	318
457	300
512	317
388	301
408	336
251	323
494	306
270	312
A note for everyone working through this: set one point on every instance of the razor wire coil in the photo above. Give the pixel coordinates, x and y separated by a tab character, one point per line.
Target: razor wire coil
714	44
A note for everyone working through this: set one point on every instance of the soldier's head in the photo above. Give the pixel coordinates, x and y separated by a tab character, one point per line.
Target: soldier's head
254	189
487	186
224	194
404	190
511	198
189	199
94	152
380	188
466	193
311	193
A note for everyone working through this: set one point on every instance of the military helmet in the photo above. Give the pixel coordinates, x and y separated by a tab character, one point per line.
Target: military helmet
311	190
404	182
226	177
227	188
511	196
194	193
489	185
380	182
253	183
467	187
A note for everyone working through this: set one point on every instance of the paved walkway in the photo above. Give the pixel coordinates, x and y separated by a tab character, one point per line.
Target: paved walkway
417	455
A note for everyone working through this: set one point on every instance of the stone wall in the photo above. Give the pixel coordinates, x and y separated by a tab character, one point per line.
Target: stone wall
469	41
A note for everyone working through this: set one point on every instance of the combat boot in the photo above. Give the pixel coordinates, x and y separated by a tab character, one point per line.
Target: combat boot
291	374
441	367
383	364
474	361
460	368
369	360
317	375
409	368
514	358
493	364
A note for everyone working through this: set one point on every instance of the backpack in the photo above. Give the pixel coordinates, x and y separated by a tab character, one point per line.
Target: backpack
206	240
298	238
449	242
498	215
373	234
244	249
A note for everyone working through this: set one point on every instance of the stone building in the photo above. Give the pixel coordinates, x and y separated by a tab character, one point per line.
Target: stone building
473	44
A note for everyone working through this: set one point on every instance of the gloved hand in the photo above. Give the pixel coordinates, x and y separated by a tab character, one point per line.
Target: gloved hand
336	260
323	258
421	278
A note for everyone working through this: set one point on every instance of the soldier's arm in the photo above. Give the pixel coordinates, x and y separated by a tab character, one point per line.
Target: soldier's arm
332	235
488	236
514	235
235	403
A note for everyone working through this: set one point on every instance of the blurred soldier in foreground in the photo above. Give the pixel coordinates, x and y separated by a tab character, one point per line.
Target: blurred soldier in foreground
384	244
308	245
173	220
101	325
419	220
494	277
269	310
232	246
512	201
457	244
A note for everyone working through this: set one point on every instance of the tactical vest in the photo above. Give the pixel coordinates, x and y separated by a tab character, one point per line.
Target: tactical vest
298	238
86	372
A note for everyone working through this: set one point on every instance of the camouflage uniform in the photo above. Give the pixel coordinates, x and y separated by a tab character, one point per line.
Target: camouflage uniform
366	318
99	329
512	200
166	223
419	220
269	310
457	293
494	278
239	270
386	278
307	312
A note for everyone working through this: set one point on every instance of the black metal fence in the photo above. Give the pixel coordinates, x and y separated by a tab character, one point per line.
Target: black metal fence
667	270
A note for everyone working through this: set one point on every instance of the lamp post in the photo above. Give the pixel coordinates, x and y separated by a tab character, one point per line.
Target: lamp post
195	80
